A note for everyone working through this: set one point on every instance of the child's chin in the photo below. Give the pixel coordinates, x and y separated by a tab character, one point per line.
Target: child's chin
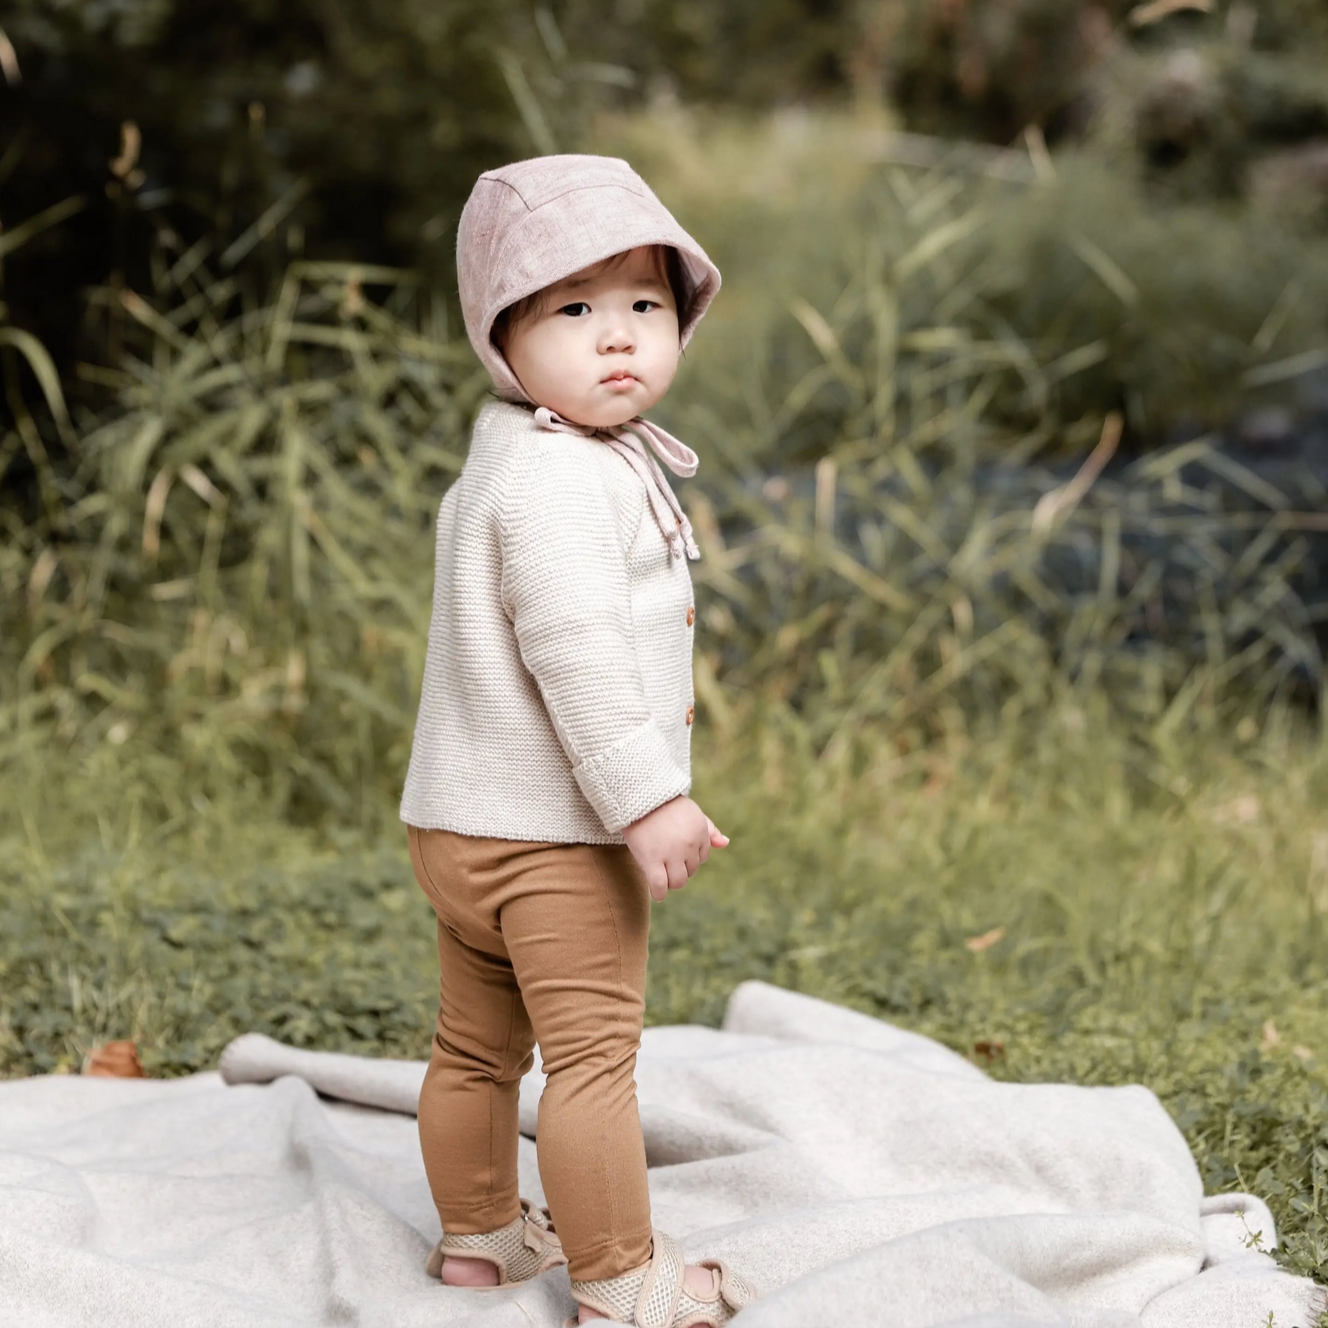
608	417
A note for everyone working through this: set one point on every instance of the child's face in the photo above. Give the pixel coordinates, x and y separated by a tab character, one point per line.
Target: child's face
603	345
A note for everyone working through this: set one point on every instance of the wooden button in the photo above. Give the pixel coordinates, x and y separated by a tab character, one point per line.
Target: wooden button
691	713
691	616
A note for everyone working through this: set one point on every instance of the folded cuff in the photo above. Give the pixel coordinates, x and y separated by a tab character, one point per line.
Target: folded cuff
633	777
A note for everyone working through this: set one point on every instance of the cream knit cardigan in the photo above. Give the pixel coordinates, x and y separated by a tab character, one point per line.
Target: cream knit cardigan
557	695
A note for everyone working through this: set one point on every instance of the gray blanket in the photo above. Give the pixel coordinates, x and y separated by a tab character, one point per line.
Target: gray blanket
858	1173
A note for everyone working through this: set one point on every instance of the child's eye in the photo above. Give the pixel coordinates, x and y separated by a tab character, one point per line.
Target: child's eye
577	309
645	306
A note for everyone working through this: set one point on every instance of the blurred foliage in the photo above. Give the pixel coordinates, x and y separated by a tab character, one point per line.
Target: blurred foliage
367	124
214	122
236	576
241	564
1191	316
1184	232
1205	316
986	69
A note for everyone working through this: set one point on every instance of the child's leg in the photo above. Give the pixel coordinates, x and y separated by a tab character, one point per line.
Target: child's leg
576	923
574	920
481	1047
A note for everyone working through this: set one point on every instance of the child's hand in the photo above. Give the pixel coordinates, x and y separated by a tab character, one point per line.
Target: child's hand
671	843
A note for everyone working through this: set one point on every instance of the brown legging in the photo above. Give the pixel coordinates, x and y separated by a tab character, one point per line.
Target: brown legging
538	942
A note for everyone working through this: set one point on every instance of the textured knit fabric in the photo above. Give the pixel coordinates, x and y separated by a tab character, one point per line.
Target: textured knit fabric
547	942
535	222
629	440
557	695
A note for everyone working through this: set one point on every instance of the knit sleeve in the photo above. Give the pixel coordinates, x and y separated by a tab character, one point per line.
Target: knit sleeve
565	589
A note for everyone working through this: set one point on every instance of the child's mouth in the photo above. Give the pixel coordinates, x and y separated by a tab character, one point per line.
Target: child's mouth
620	379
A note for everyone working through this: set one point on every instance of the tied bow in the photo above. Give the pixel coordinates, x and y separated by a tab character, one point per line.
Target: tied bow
629	440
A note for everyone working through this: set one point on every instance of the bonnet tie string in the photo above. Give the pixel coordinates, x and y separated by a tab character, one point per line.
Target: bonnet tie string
629	440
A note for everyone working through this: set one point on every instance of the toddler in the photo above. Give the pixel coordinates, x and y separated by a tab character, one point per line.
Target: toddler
547	794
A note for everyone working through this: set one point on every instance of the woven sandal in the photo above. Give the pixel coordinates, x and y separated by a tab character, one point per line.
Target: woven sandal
524	1248
654	1296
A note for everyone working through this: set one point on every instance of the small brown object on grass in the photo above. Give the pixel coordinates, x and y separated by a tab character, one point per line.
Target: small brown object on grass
114	1060
989	1051
977	944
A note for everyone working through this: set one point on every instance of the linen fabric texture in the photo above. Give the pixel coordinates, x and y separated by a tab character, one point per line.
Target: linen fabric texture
557	694
547	941
535	222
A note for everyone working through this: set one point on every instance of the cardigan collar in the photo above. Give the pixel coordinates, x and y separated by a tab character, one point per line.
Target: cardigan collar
629	441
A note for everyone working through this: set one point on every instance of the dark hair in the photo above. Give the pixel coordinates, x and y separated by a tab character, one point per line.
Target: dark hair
668	264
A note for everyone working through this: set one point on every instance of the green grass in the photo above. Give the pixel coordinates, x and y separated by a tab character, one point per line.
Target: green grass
1163	911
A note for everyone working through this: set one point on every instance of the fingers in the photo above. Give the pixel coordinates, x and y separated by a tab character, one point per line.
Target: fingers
678	860
718	838
657	878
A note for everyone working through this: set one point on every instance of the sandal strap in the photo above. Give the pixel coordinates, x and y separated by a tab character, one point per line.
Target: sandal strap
729	1294
662	1288
734	1290
524	1248
654	1296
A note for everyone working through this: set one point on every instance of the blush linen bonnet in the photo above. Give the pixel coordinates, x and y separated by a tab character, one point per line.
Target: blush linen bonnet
535	222
530	224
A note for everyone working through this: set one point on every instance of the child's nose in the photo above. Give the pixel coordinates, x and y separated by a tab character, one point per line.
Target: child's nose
616	337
